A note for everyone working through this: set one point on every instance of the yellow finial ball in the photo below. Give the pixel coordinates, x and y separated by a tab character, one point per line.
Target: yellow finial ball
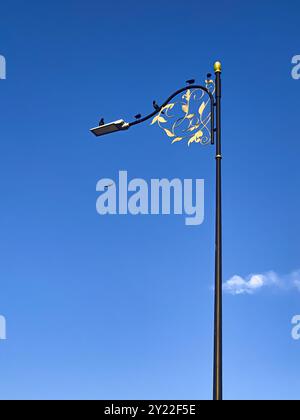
218	67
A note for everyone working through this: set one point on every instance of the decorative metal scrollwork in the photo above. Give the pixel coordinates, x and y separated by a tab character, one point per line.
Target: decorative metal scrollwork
194	125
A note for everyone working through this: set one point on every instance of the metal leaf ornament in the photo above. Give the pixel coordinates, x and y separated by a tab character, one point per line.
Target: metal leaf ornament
193	126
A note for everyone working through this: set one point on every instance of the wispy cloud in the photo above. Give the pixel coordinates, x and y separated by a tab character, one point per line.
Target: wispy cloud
254	283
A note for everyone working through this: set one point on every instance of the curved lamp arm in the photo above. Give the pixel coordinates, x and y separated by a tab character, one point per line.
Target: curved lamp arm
122	125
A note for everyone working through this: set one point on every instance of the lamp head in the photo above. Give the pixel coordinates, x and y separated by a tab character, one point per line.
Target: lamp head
110	128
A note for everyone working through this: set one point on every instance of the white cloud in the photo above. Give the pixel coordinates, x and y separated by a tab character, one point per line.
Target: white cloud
253	283
295	279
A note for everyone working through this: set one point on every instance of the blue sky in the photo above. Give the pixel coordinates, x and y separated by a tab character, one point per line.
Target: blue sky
122	306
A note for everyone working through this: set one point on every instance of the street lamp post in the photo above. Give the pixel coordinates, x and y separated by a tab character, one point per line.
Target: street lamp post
218	338
204	128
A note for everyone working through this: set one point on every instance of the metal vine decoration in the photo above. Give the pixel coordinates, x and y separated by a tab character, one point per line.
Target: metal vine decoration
194	125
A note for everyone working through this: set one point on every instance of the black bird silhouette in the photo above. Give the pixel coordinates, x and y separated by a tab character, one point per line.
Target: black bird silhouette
157	107
101	122
190	82
138	116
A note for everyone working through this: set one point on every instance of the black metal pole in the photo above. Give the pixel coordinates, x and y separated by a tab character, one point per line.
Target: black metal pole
218	358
